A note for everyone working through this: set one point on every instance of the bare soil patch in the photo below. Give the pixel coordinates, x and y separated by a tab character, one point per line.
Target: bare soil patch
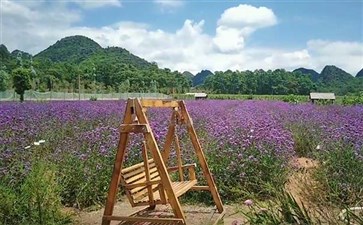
195	214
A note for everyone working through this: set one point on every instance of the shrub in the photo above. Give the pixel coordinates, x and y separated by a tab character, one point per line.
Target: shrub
37	201
306	139
254	173
353	100
340	174
290	98
284	209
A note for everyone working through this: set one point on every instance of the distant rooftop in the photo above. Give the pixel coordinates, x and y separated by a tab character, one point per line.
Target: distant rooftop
329	96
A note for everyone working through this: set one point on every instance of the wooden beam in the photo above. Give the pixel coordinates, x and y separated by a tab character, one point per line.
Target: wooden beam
200	188
178	155
201	157
154	149
120	155
147	175
144	219
220	217
134	128
159	103
185	166
169	139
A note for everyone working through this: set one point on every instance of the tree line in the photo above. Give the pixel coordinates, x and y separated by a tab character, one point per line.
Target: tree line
260	82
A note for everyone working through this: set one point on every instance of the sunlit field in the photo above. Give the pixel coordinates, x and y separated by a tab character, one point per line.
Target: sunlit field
250	146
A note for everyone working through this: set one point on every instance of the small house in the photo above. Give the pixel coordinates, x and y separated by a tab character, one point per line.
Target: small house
314	96
199	95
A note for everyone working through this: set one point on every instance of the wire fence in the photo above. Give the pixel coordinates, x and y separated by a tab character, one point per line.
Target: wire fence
11	95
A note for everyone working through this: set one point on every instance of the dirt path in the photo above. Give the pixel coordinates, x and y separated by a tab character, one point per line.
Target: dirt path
195	214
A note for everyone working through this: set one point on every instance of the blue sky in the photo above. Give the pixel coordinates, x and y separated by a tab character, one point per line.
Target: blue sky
195	35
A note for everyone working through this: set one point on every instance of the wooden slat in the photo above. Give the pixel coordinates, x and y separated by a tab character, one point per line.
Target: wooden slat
139	165
185	187
142	192
185	166
141	184
200	188
159	103
134	128
141	175
136	189
179	188
138	171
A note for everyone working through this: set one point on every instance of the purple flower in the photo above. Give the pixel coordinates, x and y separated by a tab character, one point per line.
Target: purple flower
248	202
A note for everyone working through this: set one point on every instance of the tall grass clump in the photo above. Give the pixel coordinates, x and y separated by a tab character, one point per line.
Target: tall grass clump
36	201
306	139
251	171
340	174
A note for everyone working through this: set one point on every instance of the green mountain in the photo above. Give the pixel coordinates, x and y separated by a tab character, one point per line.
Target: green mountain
5	56
334	75
200	77
360	73
188	74
73	49
24	55
314	76
118	55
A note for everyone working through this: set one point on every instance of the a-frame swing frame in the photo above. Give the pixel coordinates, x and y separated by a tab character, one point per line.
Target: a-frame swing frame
135	121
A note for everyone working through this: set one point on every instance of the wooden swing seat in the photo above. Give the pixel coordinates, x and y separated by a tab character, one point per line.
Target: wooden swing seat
136	185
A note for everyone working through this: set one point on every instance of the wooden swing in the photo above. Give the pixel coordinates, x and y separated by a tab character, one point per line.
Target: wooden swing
148	183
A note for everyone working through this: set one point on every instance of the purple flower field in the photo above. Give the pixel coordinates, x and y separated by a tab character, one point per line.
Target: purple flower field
240	138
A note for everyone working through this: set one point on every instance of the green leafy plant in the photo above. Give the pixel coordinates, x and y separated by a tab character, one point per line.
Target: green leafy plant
291	98
21	81
340	174
284	209
36	202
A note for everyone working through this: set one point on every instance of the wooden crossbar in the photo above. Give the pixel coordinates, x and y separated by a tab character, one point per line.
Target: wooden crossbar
144	219
159	103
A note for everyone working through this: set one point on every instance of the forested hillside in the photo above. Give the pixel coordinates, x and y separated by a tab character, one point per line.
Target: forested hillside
277	82
280	82
79	61
61	66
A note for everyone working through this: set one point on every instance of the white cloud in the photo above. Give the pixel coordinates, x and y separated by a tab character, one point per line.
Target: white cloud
169	3
237	23
247	16
347	55
88	4
289	60
33	28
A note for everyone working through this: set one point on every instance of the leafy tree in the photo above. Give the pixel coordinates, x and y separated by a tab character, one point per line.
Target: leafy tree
21	81
3	80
